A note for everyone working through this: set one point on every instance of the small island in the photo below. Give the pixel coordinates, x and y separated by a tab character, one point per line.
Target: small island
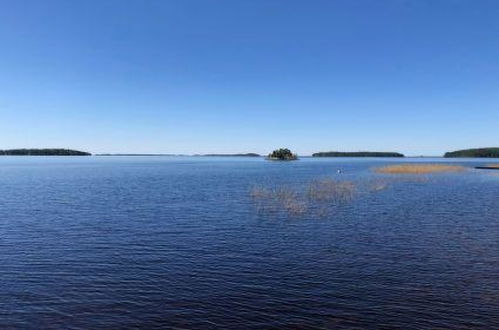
282	154
474	153
43	152
357	154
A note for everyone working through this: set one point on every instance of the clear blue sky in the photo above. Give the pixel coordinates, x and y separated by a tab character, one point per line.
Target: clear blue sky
185	76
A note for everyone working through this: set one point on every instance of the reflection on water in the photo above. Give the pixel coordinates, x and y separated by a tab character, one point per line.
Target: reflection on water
159	242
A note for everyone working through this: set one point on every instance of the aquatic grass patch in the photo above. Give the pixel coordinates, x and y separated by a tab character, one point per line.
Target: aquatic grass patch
322	197
290	200
278	199
419	168
325	196
331	190
317	198
377	185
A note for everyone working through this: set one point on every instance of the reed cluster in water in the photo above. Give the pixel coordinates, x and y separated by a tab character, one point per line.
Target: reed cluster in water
331	190
319	197
278	198
419	168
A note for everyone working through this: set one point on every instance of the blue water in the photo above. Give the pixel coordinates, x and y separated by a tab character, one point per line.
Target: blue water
172	242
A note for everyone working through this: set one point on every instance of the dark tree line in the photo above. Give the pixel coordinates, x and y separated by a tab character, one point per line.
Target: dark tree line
357	154
473	153
43	152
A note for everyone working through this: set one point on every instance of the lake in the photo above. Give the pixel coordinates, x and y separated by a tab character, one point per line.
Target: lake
180	242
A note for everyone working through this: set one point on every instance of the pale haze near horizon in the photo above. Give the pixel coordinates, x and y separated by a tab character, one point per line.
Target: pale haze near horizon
417	77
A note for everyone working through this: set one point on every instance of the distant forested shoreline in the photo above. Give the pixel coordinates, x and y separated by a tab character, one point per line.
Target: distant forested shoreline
474	153
43	152
357	154
465	153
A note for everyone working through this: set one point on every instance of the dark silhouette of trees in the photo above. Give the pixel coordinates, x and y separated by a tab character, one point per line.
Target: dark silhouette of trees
43	152
474	153
282	154
357	154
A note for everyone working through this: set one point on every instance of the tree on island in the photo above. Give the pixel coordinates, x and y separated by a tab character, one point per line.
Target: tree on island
282	154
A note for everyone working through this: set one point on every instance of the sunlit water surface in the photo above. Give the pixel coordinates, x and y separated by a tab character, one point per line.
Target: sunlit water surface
121	242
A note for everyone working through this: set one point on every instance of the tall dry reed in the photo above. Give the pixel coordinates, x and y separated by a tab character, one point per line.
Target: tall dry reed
331	190
278	199
419	168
